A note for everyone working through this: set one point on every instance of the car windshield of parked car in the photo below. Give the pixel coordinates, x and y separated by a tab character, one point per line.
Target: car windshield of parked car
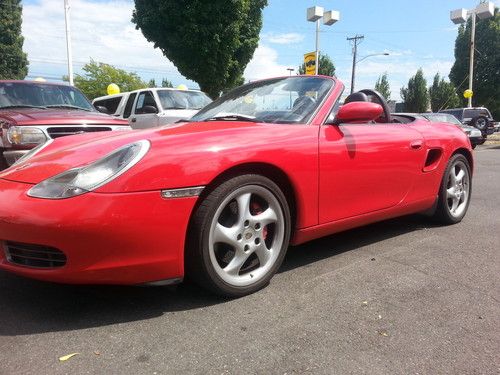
442	117
279	100
13	94
182	99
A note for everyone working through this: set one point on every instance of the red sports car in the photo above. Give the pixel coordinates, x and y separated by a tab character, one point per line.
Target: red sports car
220	198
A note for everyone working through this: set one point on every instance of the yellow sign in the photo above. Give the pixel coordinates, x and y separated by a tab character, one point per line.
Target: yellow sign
468	94
310	63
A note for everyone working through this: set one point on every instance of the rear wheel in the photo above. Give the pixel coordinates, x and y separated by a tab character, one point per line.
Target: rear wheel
455	191
238	236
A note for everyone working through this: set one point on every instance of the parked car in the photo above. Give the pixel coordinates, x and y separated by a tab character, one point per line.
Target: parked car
152	107
475	135
219	198
478	117
31	113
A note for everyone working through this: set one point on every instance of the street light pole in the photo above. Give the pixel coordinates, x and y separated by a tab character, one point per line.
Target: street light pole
317	47
315	14
471	57
68	42
485	9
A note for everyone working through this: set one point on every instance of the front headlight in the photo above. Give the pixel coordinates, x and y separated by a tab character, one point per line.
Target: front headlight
81	180
25	135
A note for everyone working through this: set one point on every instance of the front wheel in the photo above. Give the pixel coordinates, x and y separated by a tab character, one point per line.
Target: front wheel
455	191
238	236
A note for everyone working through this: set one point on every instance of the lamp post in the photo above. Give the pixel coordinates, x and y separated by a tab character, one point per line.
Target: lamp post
290	70
315	14
482	11
68	42
355	62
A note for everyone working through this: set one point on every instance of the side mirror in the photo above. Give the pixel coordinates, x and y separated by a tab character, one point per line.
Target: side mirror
358	112
102	109
149	109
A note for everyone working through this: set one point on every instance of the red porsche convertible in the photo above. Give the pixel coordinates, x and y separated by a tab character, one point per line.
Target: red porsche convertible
220	198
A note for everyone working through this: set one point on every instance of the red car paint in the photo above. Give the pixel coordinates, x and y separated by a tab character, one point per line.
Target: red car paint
341	176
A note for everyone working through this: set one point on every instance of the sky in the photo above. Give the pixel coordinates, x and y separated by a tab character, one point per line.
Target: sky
414	33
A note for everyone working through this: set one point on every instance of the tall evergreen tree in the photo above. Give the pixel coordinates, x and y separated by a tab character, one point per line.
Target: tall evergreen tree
382	86
13	61
416	96
486	84
443	94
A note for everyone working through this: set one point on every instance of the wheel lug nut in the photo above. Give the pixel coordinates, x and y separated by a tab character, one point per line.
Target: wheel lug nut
257	226
257	241
246	248
246	223
239	237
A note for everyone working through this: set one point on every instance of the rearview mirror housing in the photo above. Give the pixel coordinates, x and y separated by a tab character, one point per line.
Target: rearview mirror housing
358	112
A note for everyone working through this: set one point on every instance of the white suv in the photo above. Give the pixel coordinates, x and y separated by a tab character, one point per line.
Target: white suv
147	108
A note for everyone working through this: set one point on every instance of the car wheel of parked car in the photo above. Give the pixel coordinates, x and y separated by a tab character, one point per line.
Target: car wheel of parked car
455	191
480	122
238	236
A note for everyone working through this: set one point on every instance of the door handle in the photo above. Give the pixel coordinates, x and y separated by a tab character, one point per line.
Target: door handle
133	119
416	145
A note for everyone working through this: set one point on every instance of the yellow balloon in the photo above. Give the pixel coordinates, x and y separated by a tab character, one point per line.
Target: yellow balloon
468	94
113	89
182	87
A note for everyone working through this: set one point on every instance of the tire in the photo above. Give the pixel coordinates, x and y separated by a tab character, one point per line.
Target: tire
481	123
455	191
238	236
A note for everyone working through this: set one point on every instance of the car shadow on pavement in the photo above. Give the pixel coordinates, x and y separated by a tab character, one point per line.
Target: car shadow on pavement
30	306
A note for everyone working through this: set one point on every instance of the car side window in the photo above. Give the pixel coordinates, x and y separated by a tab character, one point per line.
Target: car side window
145	98
333	112
128	107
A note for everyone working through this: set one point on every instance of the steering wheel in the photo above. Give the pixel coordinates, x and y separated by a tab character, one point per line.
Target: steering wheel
379	99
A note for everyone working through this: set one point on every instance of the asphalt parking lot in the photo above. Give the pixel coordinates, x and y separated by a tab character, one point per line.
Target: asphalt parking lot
398	297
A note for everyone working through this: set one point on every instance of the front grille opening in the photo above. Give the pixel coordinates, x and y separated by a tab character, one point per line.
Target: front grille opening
62	131
36	256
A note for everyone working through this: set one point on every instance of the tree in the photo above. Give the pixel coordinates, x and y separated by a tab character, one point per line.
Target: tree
98	76
166	83
415	96
326	66
382	86
210	42
486	83
152	83
443	94
13	61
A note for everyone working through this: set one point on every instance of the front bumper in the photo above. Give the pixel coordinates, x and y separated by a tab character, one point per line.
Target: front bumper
128	238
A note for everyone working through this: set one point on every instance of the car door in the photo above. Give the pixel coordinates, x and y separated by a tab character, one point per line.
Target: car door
140	119
366	167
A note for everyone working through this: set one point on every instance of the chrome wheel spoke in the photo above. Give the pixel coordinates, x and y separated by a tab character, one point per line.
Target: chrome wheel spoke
454	204
460	176
450	193
243	207
262	253
265	218
225	235
234	266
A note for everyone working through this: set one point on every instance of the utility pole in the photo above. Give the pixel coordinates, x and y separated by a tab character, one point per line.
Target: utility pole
471	56
68	42
355	41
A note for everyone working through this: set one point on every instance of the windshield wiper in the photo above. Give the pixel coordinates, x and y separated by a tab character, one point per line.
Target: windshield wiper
23	106
232	117
68	106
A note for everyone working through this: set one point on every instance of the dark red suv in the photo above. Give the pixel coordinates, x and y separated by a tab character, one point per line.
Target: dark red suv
32	113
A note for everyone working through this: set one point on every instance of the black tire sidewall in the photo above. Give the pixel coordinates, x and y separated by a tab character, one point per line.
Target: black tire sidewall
206	276
443	213
475	121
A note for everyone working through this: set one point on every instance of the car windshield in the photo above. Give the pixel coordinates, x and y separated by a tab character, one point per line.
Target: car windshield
442	117
278	100
13	94
182	99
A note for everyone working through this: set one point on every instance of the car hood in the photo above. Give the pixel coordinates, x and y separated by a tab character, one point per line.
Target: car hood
75	151
56	116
